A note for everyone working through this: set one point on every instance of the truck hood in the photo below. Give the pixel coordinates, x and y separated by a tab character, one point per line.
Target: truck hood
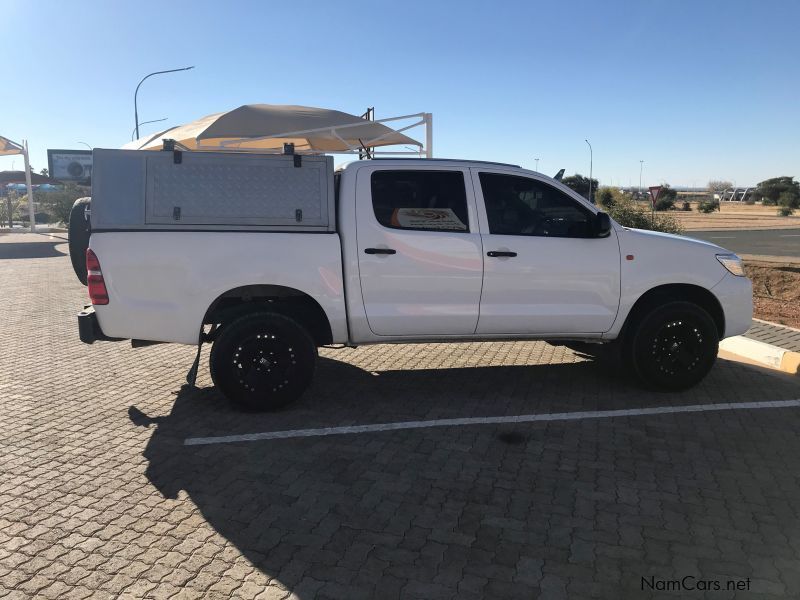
662	258
646	235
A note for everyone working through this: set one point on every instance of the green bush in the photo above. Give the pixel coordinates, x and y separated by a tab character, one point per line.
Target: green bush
686	207
41	217
785	211
790	199
628	213
58	203
605	197
665	204
708	206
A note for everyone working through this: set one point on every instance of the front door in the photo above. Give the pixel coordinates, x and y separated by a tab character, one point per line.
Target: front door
419	251
545	271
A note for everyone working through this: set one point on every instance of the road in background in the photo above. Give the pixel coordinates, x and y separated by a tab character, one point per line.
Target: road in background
774	242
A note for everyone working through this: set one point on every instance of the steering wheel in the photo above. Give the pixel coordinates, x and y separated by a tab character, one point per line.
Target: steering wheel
535	219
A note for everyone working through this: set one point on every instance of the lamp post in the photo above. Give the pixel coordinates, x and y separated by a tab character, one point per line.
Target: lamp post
641	167
145	123
591	159
136	93
537	164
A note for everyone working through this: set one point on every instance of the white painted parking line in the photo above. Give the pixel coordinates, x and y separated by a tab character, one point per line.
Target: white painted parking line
790	235
565	416
732	237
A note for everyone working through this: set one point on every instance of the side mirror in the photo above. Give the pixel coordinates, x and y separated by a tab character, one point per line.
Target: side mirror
602	225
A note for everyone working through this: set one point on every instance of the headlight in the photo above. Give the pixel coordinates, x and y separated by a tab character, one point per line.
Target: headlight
733	263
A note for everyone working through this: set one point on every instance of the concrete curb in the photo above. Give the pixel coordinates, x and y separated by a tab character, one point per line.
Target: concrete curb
762	353
39	229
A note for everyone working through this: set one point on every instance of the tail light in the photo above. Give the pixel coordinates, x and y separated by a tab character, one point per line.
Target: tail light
94	279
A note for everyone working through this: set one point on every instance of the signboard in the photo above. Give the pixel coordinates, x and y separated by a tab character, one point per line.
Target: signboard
654	193
427	218
70	165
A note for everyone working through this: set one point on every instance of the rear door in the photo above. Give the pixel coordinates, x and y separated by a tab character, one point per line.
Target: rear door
545	271
419	250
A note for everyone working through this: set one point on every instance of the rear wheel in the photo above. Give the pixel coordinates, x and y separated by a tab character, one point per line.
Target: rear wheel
79	230
674	346
263	361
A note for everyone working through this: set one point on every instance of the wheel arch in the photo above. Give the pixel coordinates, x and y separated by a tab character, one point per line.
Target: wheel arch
696	294
288	301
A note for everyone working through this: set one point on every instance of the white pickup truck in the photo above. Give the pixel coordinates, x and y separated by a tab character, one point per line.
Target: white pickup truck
272	256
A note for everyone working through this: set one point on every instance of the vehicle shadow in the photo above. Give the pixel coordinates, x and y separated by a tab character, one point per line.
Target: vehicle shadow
362	515
43	249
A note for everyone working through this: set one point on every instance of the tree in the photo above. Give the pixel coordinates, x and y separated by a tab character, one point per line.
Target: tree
789	199
717	186
630	213
784	189
666	198
605	197
59	203
580	184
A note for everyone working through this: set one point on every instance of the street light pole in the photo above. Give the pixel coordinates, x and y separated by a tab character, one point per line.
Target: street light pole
591	160
136	93
537	164
641	167
145	123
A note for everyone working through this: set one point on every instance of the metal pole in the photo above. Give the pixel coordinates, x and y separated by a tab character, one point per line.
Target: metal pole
591	160
28	184
641	167
428	135
145	123
136	93
537	164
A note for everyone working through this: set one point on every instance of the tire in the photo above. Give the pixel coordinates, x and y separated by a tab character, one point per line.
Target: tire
80	228
674	346
263	361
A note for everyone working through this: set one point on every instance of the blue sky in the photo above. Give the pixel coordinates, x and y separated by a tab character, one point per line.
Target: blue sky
697	89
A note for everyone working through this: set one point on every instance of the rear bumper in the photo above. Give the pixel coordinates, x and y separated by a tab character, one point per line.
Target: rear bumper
89	329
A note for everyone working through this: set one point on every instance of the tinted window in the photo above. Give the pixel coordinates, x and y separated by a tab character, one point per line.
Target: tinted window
523	206
420	200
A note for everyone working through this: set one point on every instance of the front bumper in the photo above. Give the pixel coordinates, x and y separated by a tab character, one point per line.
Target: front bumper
89	329
735	295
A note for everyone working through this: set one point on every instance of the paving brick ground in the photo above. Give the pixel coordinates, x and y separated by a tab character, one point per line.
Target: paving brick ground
100	498
781	336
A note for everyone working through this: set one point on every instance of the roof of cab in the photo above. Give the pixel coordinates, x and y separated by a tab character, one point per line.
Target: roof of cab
423	161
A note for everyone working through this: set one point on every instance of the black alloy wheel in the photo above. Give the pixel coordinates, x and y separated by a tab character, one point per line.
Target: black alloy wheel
263	360
674	346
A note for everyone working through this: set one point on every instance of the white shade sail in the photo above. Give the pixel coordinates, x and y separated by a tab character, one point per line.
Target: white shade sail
7	147
270	126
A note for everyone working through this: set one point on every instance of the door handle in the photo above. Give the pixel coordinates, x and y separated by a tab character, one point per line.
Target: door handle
379	251
497	253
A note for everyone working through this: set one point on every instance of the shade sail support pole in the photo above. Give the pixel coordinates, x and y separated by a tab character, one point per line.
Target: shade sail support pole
28	184
428	135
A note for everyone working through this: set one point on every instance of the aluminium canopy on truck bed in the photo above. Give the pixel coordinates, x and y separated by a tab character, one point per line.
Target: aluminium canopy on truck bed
134	189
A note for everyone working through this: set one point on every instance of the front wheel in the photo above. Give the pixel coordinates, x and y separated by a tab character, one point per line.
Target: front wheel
263	361
674	346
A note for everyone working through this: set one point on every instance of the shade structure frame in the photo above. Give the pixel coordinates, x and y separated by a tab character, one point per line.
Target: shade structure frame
208	133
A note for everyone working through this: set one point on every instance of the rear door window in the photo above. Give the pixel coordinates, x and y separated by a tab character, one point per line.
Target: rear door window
420	200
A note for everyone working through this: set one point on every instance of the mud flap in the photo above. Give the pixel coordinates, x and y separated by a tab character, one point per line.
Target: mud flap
191	376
